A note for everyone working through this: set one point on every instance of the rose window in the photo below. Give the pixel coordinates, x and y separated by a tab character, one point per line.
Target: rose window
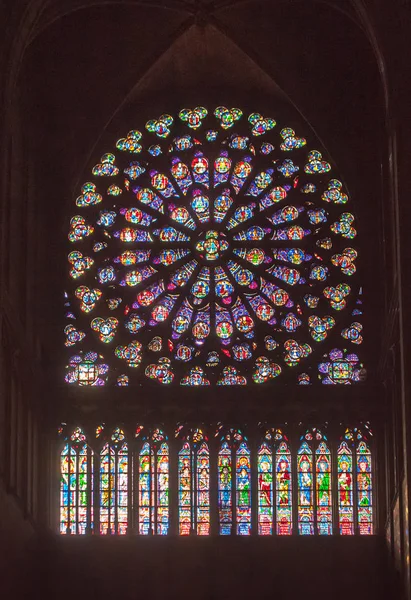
213	249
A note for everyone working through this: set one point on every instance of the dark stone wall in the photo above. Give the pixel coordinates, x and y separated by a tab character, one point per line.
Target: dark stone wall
214	568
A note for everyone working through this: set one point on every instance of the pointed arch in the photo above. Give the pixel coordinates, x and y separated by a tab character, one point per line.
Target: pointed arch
364	489
305	490
274	484
234	484
76	485
356	471
146	472
113	492
323	489
194	485
153	484
203	490
243	489
265	489
314	472
315	514
345	489
185	499
225	491
284	489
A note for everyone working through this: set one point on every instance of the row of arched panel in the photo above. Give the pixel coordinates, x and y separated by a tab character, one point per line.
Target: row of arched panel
225	486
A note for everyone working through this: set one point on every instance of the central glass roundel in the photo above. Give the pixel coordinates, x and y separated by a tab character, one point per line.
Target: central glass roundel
211	245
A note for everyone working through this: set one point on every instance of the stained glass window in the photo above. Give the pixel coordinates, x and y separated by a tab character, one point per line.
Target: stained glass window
323	485
185	494
99	491
283	489
114	485
265	490
364	489
225	493
315	515
194	485
76	485
153	488
305	490
243	489
234	484
274	485
345	489
355	471
202	256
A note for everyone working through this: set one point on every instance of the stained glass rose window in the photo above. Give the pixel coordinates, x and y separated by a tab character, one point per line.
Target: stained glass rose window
214	248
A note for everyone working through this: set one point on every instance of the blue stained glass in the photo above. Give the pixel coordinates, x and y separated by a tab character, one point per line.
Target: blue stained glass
213	229
243	490
225	499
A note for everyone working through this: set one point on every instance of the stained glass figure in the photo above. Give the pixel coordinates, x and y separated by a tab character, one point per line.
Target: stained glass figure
345	489
323	488
234	483
203	490
265	490
315	514
76	485
284	519
305	490
114	485
225	491
243	489
97	491
185	498
356	459
194	485
211	238
274	485
153	484
364	489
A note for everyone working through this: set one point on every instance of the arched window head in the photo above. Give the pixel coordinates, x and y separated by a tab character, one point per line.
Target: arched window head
323	488
234	483
213	248
355	481
114	468
76	486
274	484
345	489
314	484
193	482
153	482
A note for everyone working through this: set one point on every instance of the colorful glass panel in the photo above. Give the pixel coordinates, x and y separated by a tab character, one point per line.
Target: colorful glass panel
153	503
274	508
364	489
114	489
305	490
76	472
265	490
323	485
243	490
225	191
194	485
203	490
146	469
185	496
284	488
225	492
345	489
